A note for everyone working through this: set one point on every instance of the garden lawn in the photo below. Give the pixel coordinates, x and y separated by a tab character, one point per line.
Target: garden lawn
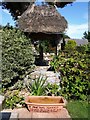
78	109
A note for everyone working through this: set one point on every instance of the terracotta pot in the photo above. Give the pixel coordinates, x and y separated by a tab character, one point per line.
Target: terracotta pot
45	103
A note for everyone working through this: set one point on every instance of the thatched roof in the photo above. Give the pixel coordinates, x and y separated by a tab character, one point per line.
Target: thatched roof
44	19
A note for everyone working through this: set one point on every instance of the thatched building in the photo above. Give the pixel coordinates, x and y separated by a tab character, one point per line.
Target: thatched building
43	23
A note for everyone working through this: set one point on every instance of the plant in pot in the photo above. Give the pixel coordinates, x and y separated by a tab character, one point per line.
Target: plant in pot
39	101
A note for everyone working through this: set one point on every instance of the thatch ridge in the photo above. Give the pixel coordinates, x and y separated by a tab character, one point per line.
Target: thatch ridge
45	19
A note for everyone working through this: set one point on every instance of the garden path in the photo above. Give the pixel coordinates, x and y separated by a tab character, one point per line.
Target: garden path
51	76
44	71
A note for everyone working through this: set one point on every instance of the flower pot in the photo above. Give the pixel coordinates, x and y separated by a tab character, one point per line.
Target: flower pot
45	103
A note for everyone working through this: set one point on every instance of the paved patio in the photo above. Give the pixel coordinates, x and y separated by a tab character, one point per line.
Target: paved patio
24	113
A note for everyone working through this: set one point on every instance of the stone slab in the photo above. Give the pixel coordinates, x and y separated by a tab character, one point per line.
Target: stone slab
24	113
1	101
8	115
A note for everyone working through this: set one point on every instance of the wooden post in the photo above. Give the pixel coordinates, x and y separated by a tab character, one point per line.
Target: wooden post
63	45
56	44
41	52
56	50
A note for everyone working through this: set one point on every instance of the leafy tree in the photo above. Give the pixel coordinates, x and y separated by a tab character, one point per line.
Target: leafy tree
87	35
17	8
0	26
17	55
59	3
71	45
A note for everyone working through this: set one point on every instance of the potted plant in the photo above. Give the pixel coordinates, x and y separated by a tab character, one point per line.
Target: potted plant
38	101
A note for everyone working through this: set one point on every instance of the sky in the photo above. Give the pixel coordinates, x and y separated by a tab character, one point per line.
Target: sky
76	15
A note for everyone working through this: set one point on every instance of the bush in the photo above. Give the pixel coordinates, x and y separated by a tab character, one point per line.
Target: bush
53	89
83	48
13	99
74	68
17	55
71	45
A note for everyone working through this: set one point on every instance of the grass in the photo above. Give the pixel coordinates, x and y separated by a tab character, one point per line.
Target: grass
79	109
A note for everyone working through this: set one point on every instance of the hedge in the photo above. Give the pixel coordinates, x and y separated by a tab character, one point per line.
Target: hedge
17	55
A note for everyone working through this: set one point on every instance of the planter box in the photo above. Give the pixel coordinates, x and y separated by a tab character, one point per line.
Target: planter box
45	103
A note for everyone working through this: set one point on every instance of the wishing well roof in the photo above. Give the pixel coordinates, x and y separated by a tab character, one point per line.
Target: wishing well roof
44	19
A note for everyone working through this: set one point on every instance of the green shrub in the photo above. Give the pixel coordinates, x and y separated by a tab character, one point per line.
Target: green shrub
83	48
74	68
53	89
13	99
17	55
71	45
